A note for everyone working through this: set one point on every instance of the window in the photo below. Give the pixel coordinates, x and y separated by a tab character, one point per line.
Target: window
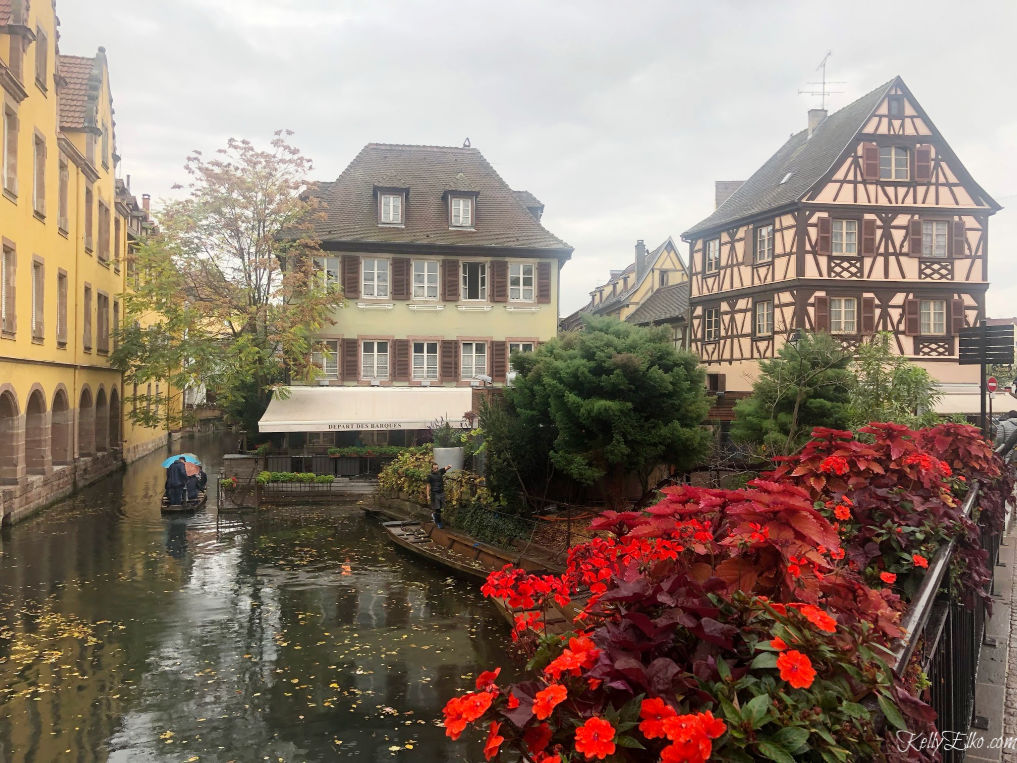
461	212
102	322
39	175
845	237
116	243
932	316
328	358
711	324
329	269
61	326
764	318
474	280
11	147
103	255
711	256
16	57
115	326
105	145
764	243
663	277
63	210
518	347
391	208
425	360
425	279
843	315
934	237
474	359
89	201
895	105
8	265
893	163
38	299
520	282
41	58
374	360
375	278
86	323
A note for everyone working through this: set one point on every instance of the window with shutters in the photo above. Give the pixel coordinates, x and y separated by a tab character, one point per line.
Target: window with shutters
711	324
711	256
843	315
893	163
41	58
934	238
11	147
474	285
63	201
7	282
374	359
374	278
115	325
764	318
461	211
61	326
86	323
764	243
328	267
17	54
425	361
39	176
103	253
38	299
102	322
390	209
932	317
327	359
105	145
89	215
474	359
425	279
517	347
844	239
116	243
520	282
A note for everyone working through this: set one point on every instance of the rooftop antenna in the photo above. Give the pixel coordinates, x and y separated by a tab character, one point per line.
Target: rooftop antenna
823	83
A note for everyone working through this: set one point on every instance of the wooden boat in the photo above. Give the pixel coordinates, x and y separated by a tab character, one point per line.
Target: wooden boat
187	507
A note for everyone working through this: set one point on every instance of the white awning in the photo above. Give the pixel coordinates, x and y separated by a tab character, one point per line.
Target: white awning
335	409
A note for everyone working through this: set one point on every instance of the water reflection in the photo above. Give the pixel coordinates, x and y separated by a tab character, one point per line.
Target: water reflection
126	636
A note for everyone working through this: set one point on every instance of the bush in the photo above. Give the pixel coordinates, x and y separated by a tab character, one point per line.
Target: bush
265	478
406	474
367	451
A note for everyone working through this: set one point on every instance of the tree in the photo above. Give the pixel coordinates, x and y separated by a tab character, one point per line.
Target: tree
227	293
805	386
602	405
888	387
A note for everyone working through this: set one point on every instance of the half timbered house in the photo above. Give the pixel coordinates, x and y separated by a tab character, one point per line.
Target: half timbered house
865	221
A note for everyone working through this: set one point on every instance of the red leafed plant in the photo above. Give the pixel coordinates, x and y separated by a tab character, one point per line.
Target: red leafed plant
749	624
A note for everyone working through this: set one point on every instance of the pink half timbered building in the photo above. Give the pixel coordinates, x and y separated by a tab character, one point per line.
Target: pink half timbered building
866	221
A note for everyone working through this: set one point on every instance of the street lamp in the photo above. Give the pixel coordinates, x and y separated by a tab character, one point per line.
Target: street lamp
794	338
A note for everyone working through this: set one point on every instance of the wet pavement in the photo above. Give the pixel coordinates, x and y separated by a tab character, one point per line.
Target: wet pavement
128	636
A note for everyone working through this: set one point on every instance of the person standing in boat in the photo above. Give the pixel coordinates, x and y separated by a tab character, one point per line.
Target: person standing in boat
436	492
176	480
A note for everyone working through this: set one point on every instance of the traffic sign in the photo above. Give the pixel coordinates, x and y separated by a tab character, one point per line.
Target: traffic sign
990	384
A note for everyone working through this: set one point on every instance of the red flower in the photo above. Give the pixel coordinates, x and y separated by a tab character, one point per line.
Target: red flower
690	736
513	701
920	561
593	738
818	617
654	712
794	570
580	654
842	512
537	738
778	643
796	668
546	700
459	711
887	577
493	741
834	465
486	679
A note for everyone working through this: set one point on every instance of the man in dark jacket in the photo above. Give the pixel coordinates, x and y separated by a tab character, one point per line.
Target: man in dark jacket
436	492
176	479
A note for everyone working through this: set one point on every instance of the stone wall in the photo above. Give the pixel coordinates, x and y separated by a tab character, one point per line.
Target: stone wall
35	491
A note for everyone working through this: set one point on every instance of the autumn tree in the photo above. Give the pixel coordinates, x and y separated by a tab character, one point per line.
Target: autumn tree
226	293
889	387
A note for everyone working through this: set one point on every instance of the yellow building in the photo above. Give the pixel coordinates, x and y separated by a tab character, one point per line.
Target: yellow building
446	271
62	265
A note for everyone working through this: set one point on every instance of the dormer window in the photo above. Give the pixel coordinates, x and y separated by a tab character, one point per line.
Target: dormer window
390	209
460	211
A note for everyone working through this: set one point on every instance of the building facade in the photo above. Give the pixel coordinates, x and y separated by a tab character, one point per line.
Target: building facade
445	271
62	265
866	221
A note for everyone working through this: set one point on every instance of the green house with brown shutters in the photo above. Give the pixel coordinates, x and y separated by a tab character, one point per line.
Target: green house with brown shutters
865	221
446	271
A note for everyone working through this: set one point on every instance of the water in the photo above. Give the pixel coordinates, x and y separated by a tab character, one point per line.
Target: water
126	636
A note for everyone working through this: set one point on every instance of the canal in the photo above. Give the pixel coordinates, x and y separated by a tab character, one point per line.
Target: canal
127	636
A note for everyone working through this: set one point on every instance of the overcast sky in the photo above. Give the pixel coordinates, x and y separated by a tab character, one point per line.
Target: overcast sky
618	116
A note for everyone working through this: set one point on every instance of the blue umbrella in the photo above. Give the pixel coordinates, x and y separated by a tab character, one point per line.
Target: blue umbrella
190	457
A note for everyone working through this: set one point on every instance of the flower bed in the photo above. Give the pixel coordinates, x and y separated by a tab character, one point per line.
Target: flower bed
751	624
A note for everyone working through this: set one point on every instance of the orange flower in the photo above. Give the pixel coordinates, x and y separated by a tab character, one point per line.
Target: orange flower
486	679
594	738
796	668
493	741
537	738
580	654
476	704
778	643
842	512
546	700
818	617
513	701
690	736
920	561
653	713
887	577
455	724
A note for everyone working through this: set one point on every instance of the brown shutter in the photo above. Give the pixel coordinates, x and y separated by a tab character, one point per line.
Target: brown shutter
923	162
351	276
959	240
400	278
401	353
544	283
449	351
721	382
499	361
450	280
350	361
11	322
912	323
868	315
956	316
749	251
822	313
870	161
499	281
915	237
868	236
824	237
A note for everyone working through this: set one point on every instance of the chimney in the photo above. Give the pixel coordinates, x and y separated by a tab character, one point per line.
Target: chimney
816	117
723	190
146	202
641	263
127	182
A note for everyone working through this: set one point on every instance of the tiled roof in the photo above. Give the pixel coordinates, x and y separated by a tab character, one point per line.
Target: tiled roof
527	199
428	172
79	92
802	160
665	304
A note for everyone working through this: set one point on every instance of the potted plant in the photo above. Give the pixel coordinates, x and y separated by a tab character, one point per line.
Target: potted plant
448	444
